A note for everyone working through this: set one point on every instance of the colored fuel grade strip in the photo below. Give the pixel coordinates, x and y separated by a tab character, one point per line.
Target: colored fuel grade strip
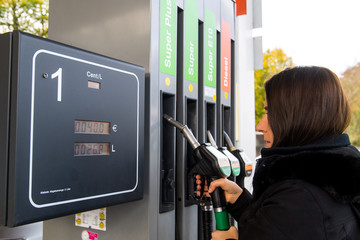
225	57
210	49
168	36
191	38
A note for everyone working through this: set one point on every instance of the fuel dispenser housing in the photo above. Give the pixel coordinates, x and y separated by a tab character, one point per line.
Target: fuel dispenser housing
71	148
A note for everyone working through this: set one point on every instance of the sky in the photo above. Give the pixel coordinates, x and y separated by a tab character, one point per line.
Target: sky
314	32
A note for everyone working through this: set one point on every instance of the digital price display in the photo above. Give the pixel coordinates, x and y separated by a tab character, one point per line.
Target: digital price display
75	139
92	127
95	85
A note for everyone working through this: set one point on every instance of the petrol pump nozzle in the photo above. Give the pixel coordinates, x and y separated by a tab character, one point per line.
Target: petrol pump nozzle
244	160
234	162
229	142
211	139
212	164
185	131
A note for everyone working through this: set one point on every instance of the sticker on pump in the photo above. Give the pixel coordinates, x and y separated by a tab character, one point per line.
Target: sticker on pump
87	235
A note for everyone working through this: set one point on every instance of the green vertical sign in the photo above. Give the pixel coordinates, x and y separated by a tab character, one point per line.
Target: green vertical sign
210	49
168	16
191	41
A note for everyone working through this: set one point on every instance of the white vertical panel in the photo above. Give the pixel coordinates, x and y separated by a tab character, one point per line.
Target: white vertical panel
257	13
258	53
244	77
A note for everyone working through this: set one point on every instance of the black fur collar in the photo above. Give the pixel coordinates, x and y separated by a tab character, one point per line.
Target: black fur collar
332	164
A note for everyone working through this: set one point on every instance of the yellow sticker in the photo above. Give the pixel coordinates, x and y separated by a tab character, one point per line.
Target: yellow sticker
78	221
214	98
191	88
101	225
226	95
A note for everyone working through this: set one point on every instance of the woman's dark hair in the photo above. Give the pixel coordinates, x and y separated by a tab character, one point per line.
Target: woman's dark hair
305	104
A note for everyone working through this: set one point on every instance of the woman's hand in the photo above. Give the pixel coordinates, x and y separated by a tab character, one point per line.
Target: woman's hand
231	189
222	235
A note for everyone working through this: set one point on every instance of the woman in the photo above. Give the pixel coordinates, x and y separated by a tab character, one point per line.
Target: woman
307	183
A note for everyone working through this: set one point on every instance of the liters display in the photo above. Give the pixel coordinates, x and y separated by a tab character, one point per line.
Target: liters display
75	137
91	149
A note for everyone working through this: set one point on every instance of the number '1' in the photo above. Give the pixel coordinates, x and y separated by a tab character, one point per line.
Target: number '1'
58	74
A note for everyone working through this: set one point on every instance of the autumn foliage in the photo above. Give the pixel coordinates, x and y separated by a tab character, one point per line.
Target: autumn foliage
26	15
350	80
274	61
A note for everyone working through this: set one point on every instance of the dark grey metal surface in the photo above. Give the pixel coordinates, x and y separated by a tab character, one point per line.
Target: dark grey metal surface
45	179
5	63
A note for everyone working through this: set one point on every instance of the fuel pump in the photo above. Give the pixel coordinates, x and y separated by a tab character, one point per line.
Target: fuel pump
212	164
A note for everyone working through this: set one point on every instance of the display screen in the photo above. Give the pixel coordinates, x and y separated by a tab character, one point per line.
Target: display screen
91	149
91	127
94	85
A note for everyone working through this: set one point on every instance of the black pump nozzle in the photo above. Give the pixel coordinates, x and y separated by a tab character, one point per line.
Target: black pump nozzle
184	130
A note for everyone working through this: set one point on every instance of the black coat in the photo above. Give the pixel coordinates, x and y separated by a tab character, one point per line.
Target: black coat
308	192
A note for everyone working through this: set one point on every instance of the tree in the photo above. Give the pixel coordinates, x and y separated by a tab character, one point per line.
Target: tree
26	15
274	62
351	83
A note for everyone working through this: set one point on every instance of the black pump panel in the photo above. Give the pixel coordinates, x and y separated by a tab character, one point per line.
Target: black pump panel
76	135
